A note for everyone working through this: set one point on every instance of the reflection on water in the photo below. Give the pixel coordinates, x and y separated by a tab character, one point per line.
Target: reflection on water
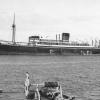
79	75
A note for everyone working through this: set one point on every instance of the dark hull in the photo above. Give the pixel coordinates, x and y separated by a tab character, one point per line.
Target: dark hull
13	49
36	50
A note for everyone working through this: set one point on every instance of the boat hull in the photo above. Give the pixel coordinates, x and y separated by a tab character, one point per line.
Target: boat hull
38	50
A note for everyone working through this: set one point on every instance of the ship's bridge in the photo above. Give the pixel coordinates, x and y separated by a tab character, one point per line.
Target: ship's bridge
33	40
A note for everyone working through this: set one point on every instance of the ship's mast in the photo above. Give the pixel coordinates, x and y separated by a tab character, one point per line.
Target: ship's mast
14	30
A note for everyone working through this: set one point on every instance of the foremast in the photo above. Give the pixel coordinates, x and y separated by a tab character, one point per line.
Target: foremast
13	30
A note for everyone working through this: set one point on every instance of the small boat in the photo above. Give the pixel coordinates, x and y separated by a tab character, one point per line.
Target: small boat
44	91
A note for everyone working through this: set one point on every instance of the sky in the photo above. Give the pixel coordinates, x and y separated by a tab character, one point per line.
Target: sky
80	18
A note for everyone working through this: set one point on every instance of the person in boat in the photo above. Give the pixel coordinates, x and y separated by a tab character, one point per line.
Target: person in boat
29	92
27	84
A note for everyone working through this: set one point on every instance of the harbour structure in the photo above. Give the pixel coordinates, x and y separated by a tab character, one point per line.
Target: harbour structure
39	46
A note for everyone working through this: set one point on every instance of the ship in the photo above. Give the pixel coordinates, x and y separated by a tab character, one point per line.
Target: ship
39	46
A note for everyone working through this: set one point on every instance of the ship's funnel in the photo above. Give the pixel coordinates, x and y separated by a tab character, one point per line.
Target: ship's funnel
65	37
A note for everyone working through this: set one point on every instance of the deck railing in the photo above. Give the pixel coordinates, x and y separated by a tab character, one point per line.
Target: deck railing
44	42
15	43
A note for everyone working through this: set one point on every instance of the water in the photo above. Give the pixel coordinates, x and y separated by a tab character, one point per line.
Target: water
78	75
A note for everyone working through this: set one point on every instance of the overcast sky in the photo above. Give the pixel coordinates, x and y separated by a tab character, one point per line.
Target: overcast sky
80	18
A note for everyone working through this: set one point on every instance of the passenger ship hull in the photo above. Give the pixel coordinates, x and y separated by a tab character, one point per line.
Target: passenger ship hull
6	49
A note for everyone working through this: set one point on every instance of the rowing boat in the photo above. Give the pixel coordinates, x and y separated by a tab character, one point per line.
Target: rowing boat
44	91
